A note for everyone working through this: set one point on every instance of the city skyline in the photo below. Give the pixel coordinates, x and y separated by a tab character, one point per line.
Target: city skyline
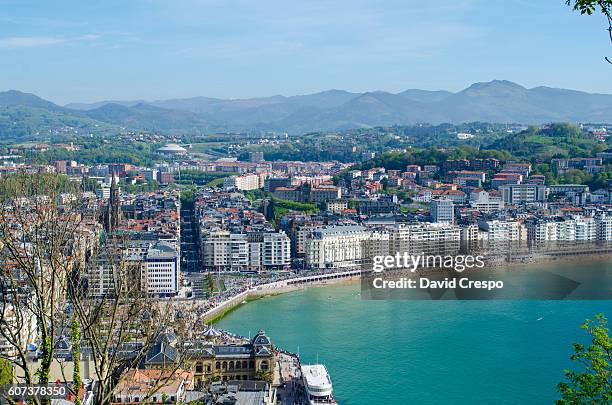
72	52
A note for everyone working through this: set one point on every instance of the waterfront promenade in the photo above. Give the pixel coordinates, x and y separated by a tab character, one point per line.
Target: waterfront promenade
238	295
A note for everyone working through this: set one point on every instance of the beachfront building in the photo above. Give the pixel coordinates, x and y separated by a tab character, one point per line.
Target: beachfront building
604	227
554	229
503	231
417	238
231	362
335	247
224	251
235	252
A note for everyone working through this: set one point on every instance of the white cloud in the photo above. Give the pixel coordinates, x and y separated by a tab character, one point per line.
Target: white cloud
28	42
33	42
89	37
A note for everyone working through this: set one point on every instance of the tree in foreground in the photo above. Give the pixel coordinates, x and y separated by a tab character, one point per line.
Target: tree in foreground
589	7
592	383
52	257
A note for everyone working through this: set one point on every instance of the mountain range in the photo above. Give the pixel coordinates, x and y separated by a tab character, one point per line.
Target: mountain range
497	101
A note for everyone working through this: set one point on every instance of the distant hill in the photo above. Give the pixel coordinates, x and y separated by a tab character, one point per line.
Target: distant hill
145	116
22	121
498	101
556	140
13	98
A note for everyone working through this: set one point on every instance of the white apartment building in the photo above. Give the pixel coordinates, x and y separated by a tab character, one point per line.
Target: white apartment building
22	325
226	251
153	264
604	227
484	202
244	182
442	210
337	205
503	231
276	251
103	192
424	238
523	193
161	270
550	230
335	247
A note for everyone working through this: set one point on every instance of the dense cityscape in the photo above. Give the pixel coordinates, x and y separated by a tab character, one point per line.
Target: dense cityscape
152	238
306	202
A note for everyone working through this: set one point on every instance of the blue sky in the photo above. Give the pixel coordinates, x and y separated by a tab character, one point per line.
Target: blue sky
152	49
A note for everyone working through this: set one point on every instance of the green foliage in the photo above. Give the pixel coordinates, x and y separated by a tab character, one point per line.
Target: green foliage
147	187
103	151
25	184
46	357
264	376
539	145
253	195
20	122
200	178
590	6
215	183
592	384
6	372
294	205
429	156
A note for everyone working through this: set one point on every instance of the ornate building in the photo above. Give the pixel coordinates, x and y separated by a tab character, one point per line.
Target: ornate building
225	362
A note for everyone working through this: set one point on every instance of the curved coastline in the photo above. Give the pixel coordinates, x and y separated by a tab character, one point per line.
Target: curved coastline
278	287
297	283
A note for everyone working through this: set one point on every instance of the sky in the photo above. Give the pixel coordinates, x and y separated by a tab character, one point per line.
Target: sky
83	51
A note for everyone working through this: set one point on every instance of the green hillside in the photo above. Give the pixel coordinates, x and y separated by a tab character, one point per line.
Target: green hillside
18	122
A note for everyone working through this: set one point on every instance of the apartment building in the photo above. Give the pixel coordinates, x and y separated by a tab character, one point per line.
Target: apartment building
442	210
503	231
485	202
555	229
417	238
235	252
335	247
522	193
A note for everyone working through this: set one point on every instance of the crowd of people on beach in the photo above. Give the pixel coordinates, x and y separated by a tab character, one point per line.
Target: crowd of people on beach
235	285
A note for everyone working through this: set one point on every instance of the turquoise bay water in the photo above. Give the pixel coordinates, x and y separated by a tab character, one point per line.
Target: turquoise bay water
424	352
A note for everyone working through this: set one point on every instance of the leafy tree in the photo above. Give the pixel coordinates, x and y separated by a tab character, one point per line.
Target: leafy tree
592	384
588	7
263	375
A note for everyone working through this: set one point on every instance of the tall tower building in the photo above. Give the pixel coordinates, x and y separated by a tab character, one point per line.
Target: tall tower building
112	214
442	210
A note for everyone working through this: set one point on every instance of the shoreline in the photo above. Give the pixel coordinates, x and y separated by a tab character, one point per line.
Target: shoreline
277	288
286	286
